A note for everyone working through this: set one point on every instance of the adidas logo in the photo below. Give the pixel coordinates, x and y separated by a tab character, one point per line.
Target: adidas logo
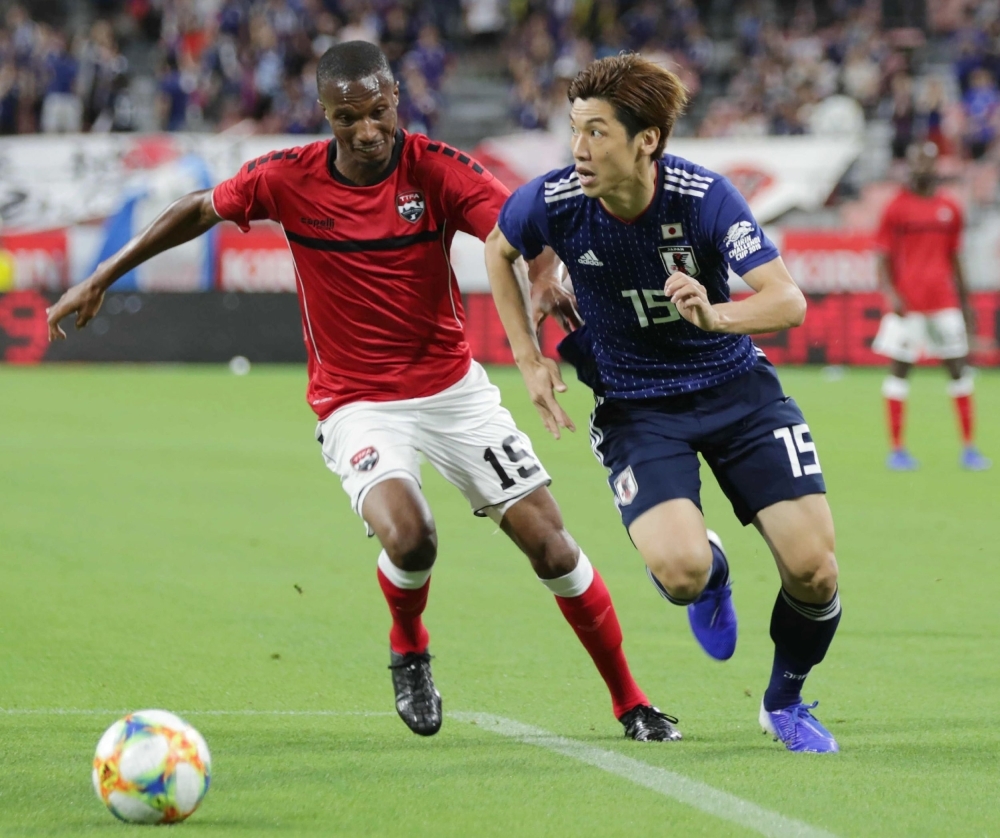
590	258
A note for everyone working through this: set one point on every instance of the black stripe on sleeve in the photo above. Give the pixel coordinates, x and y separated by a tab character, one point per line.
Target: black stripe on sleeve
477	168
448	151
463	158
363	245
434	146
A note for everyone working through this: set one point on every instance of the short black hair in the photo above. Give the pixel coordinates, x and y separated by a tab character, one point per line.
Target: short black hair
350	61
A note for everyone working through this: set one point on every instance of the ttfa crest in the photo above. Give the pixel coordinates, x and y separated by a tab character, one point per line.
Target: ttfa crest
410	205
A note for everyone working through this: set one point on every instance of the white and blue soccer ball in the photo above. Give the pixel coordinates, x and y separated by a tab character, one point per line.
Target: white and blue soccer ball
151	767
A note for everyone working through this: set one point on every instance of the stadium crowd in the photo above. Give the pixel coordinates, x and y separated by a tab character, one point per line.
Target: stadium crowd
220	62
217	62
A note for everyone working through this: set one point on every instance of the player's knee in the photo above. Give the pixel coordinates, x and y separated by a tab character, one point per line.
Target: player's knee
683	573
555	555
411	544
817	576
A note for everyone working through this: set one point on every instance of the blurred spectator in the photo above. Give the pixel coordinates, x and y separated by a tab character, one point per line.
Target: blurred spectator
62	110
981	106
903	115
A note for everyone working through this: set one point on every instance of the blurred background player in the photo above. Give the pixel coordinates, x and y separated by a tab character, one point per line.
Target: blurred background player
920	273
369	217
648	239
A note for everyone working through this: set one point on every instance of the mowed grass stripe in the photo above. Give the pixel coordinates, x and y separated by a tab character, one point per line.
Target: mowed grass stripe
693	793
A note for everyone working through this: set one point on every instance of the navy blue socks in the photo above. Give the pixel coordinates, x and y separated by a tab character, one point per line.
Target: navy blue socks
802	632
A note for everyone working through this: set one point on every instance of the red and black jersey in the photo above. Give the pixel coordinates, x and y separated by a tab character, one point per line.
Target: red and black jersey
381	309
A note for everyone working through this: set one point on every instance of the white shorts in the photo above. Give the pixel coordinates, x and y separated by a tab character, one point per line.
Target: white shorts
937	334
463	431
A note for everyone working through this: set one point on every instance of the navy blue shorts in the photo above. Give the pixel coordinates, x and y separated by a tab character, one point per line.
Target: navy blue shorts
753	437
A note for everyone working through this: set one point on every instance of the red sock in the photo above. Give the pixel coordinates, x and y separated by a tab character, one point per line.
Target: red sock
592	616
895	409
963	406
408	633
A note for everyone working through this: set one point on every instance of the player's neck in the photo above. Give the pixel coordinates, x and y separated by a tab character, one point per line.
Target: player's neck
632	197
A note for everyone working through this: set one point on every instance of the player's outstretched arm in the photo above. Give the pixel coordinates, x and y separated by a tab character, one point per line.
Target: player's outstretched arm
185	219
541	374
778	303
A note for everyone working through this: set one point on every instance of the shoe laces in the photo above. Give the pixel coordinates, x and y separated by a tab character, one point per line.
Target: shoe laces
647	711
411	660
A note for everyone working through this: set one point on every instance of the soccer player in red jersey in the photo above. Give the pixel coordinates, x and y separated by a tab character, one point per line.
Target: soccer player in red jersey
369	217
920	273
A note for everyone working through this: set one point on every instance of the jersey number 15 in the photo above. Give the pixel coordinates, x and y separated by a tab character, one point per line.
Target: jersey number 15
653	300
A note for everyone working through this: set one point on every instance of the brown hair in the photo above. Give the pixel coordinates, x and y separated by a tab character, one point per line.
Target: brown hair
643	94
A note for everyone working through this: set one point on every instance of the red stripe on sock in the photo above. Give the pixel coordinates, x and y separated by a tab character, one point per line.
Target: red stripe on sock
407	633
963	406
593	618
895	411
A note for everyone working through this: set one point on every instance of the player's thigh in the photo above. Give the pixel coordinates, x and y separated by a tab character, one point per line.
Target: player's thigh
672	540
800	534
901	338
648	457
472	440
947	337
367	443
767	457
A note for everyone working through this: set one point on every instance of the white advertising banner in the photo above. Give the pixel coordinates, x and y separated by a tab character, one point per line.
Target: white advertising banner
774	174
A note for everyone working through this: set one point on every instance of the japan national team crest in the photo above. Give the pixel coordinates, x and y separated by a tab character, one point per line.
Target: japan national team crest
679	257
625	487
410	205
365	460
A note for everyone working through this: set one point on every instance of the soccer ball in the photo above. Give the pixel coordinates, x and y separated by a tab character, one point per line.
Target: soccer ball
151	767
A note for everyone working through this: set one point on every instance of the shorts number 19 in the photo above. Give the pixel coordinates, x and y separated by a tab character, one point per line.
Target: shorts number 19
515	455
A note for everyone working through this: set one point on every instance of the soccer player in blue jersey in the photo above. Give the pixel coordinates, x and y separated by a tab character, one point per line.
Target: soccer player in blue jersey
648	239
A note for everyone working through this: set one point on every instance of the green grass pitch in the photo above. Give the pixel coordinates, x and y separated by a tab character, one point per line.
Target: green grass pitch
156	525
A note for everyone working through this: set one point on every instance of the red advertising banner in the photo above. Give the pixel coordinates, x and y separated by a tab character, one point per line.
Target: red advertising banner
829	262
34	260
839	329
254	261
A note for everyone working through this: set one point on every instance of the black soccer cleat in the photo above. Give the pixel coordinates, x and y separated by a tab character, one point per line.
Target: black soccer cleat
417	701
647	724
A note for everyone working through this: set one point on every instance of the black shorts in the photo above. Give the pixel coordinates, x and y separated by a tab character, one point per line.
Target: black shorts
753	437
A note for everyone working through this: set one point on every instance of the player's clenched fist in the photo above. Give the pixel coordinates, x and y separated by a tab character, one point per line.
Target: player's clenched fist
691	300
84	300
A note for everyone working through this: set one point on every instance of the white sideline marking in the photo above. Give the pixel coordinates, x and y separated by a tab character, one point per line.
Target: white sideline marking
668	783
72	711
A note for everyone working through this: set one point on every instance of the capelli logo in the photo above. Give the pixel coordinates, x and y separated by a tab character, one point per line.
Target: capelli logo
318	223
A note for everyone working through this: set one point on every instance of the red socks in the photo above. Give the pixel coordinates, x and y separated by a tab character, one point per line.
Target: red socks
408	633
586	604
963	406
581	596
895	391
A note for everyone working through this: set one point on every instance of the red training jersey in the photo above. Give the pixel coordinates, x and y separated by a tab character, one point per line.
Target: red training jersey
381	311
921	236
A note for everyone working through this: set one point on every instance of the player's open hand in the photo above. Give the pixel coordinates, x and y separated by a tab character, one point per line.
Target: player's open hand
554	299
83	300
543	379
691	300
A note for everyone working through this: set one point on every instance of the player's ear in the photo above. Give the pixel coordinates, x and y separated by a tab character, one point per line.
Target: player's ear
395	93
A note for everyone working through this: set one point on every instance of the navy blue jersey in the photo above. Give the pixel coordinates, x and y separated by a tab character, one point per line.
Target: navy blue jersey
697	223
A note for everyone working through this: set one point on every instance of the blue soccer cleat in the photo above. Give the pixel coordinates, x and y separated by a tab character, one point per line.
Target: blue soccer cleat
713	617
799	729
972	460
901	460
